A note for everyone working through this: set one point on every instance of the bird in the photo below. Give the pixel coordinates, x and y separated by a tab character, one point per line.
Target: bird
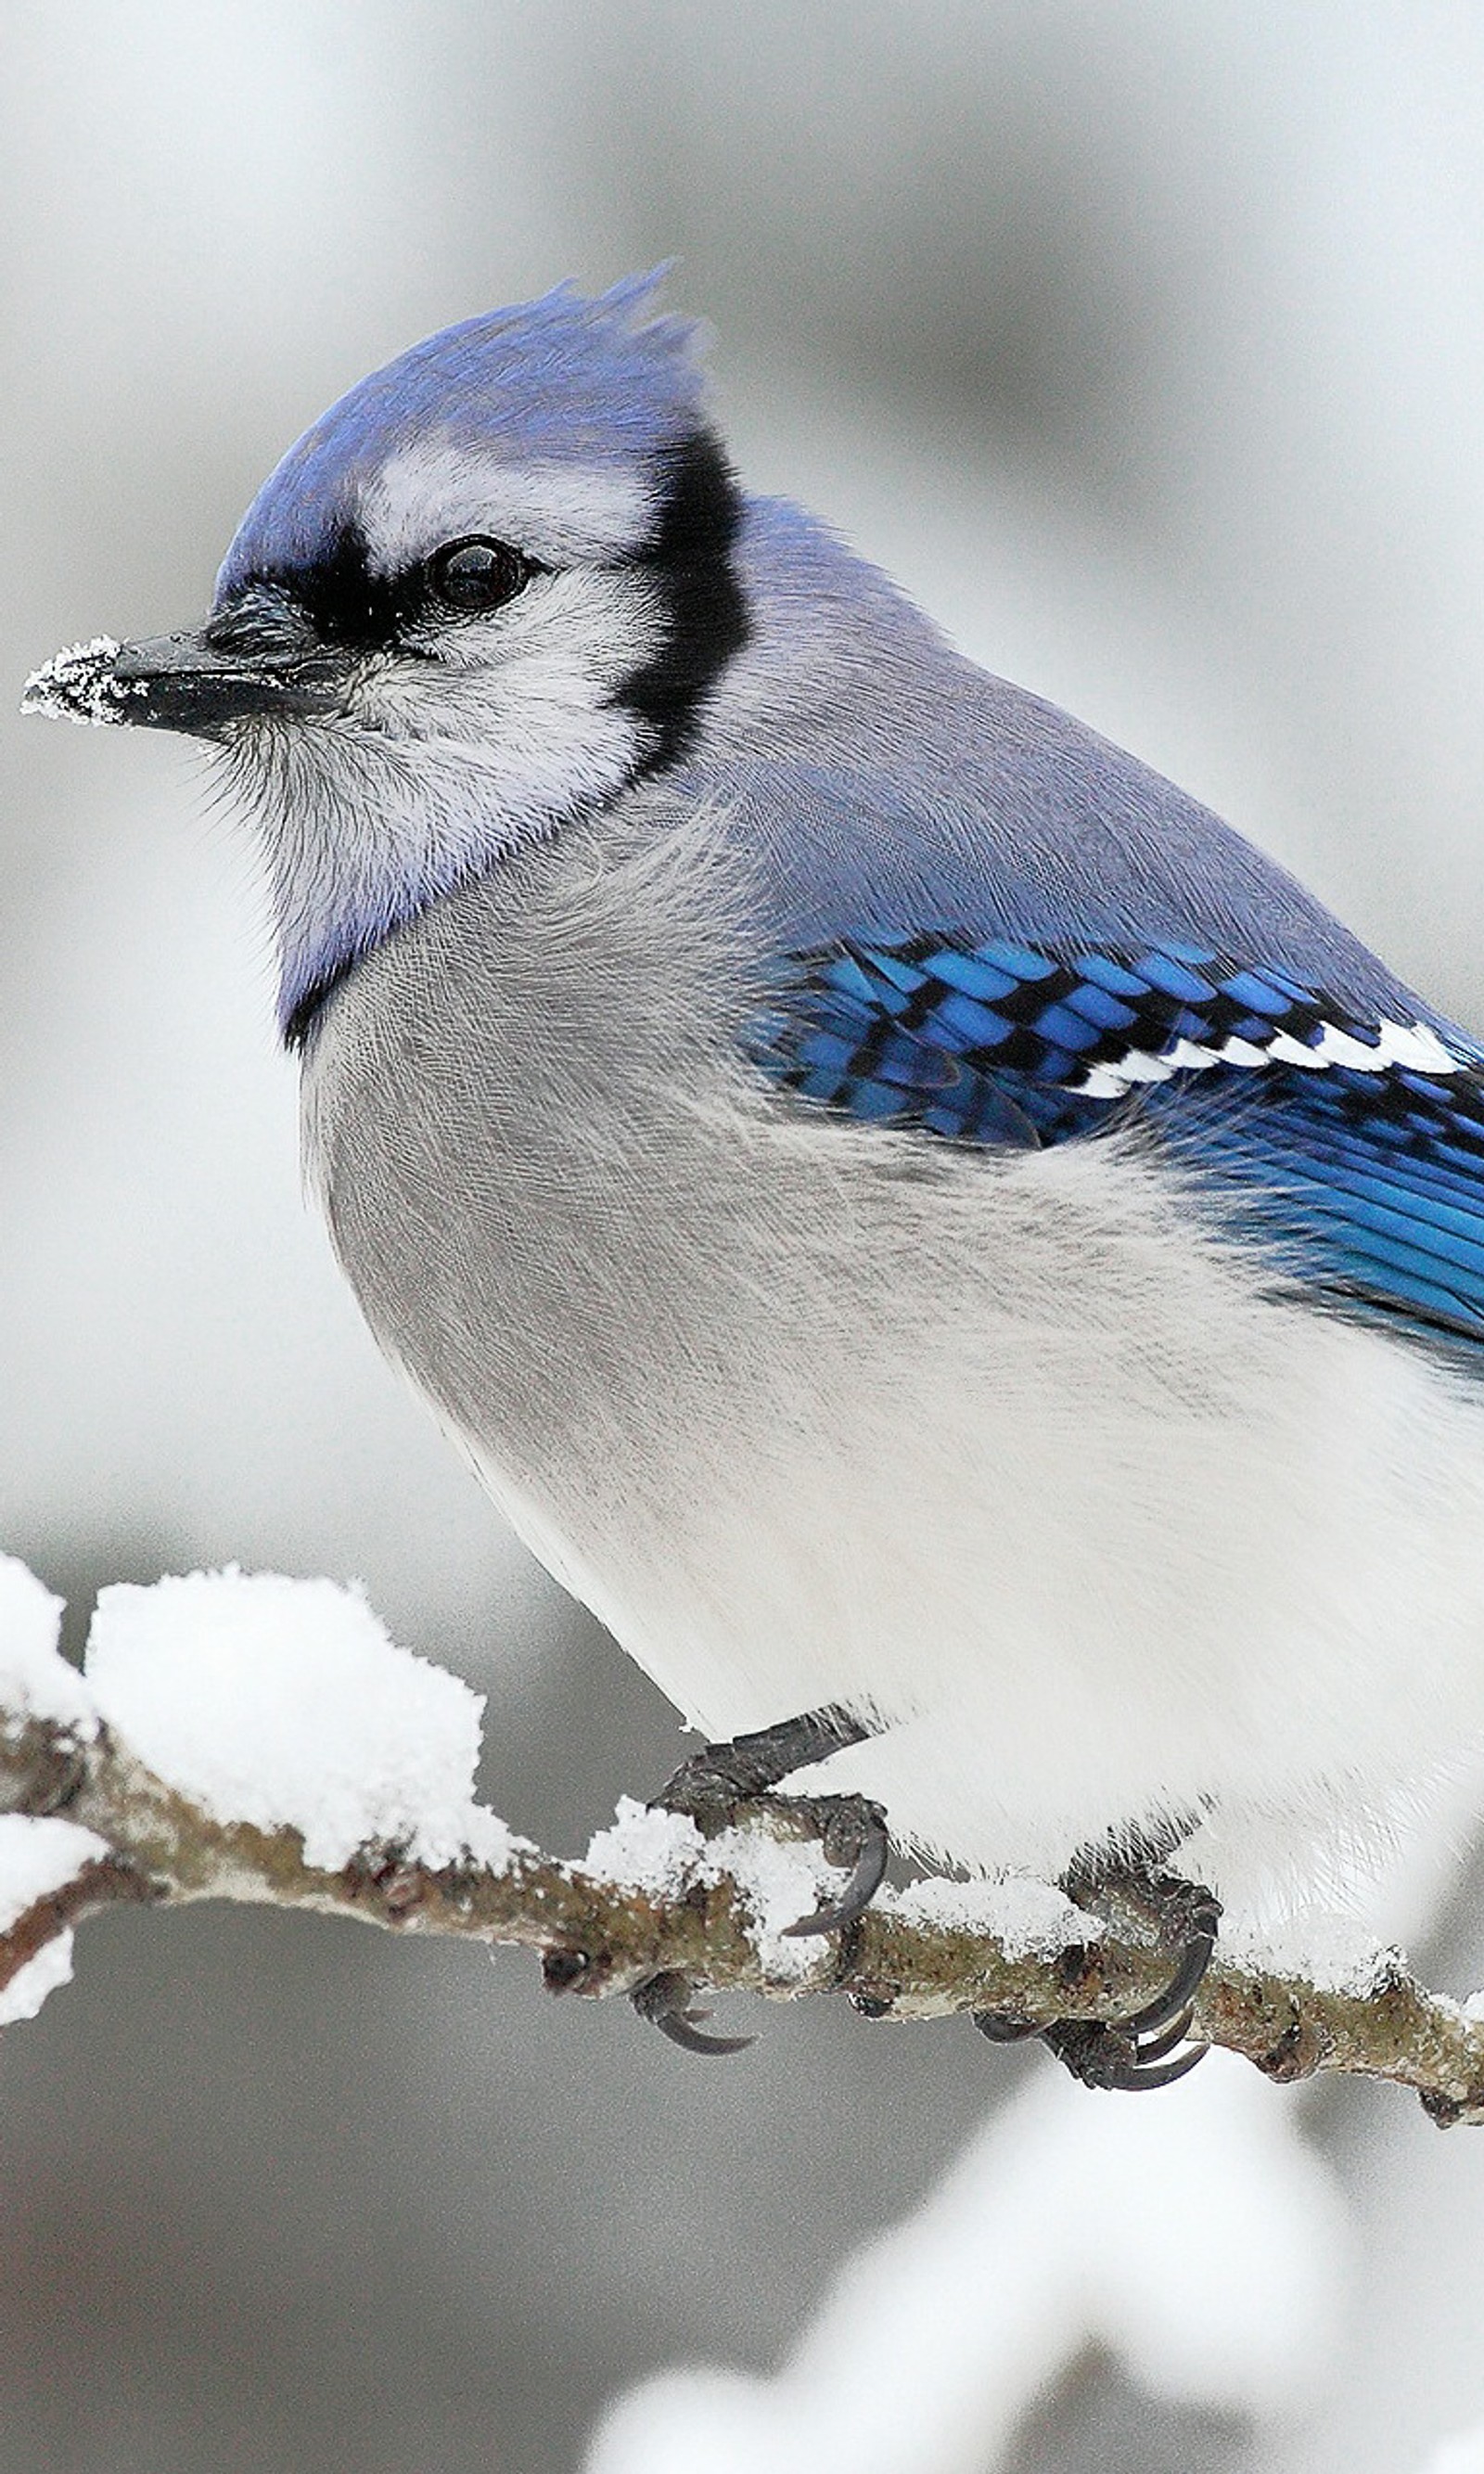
963	1265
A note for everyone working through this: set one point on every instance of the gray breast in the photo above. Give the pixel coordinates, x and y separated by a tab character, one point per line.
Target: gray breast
522	1114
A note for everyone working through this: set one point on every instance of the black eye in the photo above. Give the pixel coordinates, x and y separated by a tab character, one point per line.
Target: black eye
478	574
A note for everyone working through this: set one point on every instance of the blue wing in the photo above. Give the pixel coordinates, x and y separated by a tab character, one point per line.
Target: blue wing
1352	1148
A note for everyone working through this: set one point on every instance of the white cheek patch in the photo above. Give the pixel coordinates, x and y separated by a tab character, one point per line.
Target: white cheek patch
560	650
565	515
1412	1046
475	756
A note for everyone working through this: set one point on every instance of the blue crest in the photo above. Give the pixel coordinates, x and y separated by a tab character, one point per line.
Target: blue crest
565	378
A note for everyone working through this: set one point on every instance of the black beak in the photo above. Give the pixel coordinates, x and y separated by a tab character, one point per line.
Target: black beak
178	683
185	683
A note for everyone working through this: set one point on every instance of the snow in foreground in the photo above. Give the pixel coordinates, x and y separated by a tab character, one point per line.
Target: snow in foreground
1195	2239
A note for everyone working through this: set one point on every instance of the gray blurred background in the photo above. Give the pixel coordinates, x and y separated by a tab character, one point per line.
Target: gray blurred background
1147	345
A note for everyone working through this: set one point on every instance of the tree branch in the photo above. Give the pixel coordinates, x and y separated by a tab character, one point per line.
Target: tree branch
600	1934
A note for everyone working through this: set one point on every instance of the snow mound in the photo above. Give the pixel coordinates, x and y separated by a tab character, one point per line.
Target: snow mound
1029	1918
646	1849
36	1681
285	1703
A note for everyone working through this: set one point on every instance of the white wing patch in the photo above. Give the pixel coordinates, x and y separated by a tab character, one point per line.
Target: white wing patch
1412	1046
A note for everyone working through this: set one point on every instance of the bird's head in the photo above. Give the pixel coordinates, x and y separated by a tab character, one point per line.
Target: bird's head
489	589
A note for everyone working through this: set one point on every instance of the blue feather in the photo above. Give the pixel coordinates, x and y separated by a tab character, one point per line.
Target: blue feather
1365	1185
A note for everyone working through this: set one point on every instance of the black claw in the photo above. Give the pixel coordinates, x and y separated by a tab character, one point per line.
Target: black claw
872	1847
1163	2073
1109	2057
665	2001
1141	2051
1154	2049
1183	1985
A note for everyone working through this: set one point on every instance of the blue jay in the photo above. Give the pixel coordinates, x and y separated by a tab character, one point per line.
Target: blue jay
962	1263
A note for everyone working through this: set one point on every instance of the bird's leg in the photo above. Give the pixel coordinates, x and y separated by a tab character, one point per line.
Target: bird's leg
720	1784
716	1781
1140	2051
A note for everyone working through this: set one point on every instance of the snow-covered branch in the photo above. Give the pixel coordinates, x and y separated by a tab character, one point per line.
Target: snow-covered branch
262	1739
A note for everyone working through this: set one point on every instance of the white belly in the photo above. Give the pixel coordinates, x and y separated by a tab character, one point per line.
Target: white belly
1024	1466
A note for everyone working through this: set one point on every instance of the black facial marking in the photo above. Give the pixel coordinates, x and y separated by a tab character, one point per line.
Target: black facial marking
343	601
347	606
306	1013
691	557
262	623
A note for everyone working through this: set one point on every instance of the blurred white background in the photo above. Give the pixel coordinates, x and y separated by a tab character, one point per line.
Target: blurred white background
1147	345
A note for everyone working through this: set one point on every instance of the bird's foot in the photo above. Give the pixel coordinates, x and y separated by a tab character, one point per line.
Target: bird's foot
723	1785
1144	2050
726	1781
852	1833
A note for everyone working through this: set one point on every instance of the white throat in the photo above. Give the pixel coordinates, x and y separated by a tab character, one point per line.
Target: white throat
438	768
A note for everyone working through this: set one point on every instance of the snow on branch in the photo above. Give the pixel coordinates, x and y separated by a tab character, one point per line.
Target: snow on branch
262	1739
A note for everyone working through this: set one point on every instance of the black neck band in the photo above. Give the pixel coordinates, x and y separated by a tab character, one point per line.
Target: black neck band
691	557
